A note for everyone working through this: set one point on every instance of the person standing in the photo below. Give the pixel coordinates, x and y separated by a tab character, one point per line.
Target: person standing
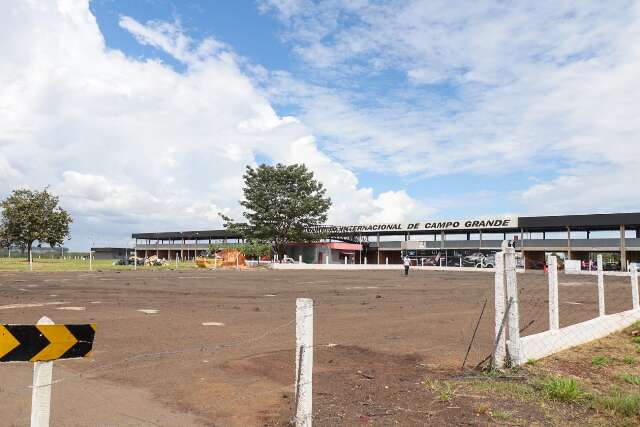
407	263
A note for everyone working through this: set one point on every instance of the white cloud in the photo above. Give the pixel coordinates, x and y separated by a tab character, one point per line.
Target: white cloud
132	144
547	89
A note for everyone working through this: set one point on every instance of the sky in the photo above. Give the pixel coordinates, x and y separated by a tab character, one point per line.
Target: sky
142	115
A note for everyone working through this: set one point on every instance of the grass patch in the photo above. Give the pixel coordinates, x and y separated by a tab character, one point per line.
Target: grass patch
561	389
483	408
447	393
631	361
600	360
514	390
52	265
636	340
620	403
532	362
500	415
628	378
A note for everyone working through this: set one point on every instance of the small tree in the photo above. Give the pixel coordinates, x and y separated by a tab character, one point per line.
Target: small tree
283	204
29	216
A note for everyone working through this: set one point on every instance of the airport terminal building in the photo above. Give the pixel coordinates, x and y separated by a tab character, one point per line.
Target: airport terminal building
442	242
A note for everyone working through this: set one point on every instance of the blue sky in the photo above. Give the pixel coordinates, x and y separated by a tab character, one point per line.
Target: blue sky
260	37
143	114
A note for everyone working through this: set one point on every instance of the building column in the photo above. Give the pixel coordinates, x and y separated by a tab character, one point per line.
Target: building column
480	233
378	253
569	243
623	249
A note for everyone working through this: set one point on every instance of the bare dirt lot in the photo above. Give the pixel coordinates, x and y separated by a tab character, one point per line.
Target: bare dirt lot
378	335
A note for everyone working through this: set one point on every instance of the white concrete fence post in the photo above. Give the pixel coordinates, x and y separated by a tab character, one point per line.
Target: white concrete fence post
299	259
345	260
365	261
41	392
499	353
601	311
554	314
634	287
304	362
512	297
327	259
386	260
90	257
30	261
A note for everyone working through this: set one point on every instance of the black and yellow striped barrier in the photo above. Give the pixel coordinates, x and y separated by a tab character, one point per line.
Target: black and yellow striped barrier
41	343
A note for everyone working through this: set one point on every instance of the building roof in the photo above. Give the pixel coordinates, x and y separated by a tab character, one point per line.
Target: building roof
593	222
187	235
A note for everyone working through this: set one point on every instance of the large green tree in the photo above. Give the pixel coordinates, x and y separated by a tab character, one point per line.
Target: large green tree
283	203
33	216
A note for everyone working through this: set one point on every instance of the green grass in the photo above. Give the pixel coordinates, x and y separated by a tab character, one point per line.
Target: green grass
50	265
561	389
623	404
600	360
628	378
636	340
631	361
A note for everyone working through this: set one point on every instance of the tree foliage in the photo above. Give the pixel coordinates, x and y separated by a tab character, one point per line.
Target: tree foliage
283	203
29	216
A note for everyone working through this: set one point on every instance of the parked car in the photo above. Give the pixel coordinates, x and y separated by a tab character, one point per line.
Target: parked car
611	266
488	261
129	261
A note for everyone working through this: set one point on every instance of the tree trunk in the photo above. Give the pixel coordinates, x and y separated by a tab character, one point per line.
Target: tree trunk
281	249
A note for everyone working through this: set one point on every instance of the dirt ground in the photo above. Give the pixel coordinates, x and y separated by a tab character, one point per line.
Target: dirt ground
378	336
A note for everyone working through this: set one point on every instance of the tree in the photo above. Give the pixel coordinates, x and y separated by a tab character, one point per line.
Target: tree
282	204
29	216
